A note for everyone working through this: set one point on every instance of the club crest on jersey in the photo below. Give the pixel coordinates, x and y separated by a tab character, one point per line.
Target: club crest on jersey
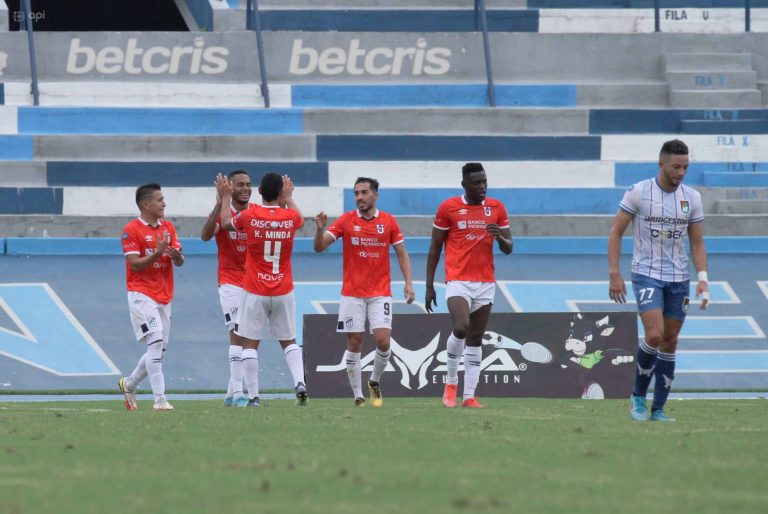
380	228
487	211
684	206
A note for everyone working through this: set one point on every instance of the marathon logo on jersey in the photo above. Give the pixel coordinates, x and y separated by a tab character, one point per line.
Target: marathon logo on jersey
684	206
379	228
355	241
487	211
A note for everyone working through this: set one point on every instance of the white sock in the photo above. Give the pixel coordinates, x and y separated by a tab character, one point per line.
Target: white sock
380	361
295	362
138	374
154	363
353	372
235	388
473	357
250	365
455	349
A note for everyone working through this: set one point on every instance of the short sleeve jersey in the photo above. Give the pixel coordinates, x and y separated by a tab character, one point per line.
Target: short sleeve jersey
232	251
660	224
366	252
140	238
468	247
270	232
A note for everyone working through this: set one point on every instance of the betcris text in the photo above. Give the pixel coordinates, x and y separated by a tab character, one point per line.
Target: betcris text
135	60
355	60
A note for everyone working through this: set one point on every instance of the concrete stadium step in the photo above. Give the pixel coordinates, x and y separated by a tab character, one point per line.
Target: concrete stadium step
623	94
741	207
498	121
746	224
22	174
389	4
700	62
742	126
716	80
721	99
169	148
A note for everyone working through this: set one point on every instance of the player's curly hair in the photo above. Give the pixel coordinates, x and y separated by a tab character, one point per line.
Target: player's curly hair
271	186
471	167
673	147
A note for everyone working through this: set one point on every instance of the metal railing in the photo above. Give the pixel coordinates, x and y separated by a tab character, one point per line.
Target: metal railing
657	15
26	24
253	22
481	23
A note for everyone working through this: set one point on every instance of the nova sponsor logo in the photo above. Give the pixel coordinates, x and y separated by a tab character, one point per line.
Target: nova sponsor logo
193	59
413	60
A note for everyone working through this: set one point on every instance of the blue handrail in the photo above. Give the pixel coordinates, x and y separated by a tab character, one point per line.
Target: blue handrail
26	24
480	17
253	22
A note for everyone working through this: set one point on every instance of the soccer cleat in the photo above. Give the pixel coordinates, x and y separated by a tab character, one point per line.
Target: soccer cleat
301	395
359	402
130	396
658	415
162	404
449	395
374	389
229	401
638	411
472	403
241	401
253	402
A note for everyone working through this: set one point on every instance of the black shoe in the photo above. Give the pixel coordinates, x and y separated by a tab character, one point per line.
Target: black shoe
253	402
301	395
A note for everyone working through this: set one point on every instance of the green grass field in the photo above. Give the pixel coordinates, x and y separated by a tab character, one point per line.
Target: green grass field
411	456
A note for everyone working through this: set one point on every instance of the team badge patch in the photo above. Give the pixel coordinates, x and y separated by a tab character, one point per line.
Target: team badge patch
380	228
487	211
125	236
684	206
686	302
348	322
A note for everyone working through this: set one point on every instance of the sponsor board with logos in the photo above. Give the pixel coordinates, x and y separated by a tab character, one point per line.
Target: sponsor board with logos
553	355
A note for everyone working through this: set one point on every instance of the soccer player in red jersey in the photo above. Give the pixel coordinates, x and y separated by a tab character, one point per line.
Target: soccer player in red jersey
468	226
231	252
151	248
268	284
366	289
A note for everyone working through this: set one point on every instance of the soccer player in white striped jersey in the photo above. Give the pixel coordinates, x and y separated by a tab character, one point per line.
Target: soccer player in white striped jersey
663	212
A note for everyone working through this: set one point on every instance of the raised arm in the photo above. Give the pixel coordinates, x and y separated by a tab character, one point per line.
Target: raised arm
322	238
617	290
209	227
435	249
224	189
405	267
286	197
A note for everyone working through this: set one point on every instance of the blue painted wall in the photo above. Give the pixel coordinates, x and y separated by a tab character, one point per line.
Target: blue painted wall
31	200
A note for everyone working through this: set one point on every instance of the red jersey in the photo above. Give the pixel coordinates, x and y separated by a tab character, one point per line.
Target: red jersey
270	231
468	247
232	251
141	238
366	252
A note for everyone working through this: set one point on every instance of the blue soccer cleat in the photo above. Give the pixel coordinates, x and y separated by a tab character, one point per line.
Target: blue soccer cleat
229	401
638	411
658	415
240	402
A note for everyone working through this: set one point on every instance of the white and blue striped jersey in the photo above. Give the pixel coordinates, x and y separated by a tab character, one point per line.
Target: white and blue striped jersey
660	222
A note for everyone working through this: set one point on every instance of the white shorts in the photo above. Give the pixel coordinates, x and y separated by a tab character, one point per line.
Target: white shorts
477	294
353	312
256	311
151	320
230	297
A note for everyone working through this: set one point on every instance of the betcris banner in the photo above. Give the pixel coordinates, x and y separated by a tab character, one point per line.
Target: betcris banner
550	355
373	57
147	56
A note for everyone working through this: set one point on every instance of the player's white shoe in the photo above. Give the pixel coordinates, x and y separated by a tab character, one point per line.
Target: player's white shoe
162	404
130	396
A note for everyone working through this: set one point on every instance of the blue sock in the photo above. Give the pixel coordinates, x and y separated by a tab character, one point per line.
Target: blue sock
646	360
665	373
